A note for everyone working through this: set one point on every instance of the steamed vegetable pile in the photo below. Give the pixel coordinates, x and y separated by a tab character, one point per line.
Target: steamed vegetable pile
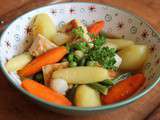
78	65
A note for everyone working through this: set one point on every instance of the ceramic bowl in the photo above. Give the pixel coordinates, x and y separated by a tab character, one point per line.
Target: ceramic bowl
118	23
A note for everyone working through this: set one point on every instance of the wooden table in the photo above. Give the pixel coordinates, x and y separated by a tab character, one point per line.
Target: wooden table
13	106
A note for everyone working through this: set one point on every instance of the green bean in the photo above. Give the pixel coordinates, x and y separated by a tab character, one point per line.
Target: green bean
101	88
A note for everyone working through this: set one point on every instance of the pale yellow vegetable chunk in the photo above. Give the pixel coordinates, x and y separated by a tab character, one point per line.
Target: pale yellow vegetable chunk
133	57
82	75
18	62
61	38
44	25
87	97
120	43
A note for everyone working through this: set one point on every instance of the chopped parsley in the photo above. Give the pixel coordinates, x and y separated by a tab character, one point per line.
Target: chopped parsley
99	41
104	56
78	32
71	58
80	45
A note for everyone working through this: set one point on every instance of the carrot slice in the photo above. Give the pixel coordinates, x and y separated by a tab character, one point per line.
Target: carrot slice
52	56
45	93
123	89
96	27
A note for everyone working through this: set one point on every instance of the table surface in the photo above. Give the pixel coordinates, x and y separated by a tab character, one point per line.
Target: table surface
13	106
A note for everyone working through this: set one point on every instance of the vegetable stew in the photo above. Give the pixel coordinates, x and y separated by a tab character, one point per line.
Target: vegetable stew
79	65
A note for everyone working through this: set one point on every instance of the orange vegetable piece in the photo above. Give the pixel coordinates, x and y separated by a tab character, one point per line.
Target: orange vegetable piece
123	89
96	27
45	93
51	56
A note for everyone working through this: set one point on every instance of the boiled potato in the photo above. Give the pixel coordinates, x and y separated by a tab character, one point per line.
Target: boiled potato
133	57
82	75
120	43
87	97
18	62
43	24
61	38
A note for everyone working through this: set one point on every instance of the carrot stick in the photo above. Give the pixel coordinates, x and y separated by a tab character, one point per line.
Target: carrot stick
45	93
96	27
124	89
52	56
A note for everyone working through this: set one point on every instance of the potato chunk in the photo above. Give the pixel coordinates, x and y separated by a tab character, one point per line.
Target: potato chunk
18	62
133	57
61	38
87	97
120	43
43	24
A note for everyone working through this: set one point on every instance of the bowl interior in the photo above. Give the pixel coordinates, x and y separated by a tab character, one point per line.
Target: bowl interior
118	23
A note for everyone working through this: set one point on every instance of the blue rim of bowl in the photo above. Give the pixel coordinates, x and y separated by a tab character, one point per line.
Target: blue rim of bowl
70	108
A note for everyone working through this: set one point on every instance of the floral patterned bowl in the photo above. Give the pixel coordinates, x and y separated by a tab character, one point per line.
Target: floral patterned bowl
118	23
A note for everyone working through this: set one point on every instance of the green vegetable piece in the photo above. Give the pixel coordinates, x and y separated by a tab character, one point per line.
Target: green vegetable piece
104	56
80	46
78	32
107	83
73	64
121	77
101	88
99	41
93	51
39	77
70	57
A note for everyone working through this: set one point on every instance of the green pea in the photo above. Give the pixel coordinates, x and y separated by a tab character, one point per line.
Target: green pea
70	57
73	64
